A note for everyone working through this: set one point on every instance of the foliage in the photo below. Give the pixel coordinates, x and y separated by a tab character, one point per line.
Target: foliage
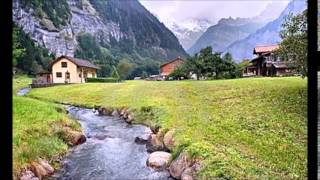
178	73
115	74
17	50
110	79
250	128
241	67
90	49
124	68
36	127
28	56
144	70
57	11
294	46
19	82
210	65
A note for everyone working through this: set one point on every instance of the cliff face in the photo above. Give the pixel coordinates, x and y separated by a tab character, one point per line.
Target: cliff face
111	22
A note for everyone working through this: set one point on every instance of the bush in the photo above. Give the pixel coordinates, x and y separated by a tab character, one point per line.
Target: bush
105	80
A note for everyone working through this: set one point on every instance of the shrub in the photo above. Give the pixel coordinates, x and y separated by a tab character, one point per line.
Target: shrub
105	80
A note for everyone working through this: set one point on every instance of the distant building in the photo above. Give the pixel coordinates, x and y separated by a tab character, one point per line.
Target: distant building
266	63
169	67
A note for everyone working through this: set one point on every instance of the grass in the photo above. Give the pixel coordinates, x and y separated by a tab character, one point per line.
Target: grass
19	82
36	129
252	128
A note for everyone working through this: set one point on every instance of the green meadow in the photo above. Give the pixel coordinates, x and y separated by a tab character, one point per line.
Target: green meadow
251	128
37	128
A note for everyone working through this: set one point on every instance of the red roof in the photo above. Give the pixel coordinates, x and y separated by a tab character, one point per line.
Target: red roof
264	49
178	58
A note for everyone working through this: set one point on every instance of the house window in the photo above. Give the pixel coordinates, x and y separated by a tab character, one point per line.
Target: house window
64	64
58	74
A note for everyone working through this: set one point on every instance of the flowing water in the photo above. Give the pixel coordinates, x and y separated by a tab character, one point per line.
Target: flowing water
23	91
110	151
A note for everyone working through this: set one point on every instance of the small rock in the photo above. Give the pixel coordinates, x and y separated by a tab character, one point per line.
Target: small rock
101	136
179	165
115	113
158	159
28	175
187	174
38	170
129	118
142	139
154	144
46	166
76	138
168	140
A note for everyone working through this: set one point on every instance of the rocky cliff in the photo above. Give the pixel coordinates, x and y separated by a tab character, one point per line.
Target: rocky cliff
112	23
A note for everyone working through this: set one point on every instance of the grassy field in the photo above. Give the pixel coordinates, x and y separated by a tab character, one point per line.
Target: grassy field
19	82
245	128
36	128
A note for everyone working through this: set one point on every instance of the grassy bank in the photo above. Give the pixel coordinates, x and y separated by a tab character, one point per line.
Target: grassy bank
19	82
245	128
36	128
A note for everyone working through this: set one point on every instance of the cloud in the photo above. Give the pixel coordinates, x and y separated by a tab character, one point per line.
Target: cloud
212	10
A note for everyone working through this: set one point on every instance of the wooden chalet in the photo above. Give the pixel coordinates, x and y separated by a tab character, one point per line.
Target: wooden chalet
266	63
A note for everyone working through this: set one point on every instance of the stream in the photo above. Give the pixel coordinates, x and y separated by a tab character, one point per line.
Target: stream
110	151
23	91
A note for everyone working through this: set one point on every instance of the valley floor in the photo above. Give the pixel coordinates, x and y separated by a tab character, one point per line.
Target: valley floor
244	128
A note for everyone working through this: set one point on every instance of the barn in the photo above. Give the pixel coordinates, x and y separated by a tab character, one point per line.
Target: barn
169	67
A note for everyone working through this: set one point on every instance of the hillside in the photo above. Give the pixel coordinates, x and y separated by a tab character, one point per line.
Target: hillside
269	34
229	30
118	30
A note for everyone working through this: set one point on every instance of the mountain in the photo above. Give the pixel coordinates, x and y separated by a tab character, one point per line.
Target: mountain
229	30
188	31
269	34
122	29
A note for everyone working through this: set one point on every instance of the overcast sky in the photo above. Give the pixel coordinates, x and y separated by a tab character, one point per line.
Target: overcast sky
213	10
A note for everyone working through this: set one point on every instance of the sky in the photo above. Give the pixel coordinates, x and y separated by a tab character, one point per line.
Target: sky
213	10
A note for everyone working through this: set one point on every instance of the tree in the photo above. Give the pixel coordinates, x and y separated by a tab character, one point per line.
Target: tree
115	73
228	66
294	46
17	50
124	68
239	68
178	73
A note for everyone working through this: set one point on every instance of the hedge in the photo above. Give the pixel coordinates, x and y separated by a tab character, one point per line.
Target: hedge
103	80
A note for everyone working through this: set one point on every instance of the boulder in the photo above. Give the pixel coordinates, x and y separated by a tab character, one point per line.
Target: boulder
123	111
129	118
154	144
104	111
28	175
115	113
187	174
46	166
143	138
158	159
75	137
179	165
168	140
38	170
